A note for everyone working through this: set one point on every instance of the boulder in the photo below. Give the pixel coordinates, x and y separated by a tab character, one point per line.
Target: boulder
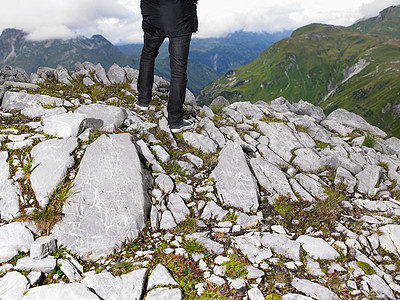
307	160
219	102
13	286
50	161
281	139
346	118
14	237
63	76
19	100
116	74
60	291
271	178
368	178
313	289
110	202
282	245
200	141
308	109
9	191
102	117
390	238
165	293
64	125
317	248
101	74
160	276
235	183
212	131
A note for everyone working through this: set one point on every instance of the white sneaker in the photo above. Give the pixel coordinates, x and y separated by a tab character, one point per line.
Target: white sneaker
140	106
186	125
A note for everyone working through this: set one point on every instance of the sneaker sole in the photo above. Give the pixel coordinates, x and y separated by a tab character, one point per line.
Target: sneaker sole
177	130
141	107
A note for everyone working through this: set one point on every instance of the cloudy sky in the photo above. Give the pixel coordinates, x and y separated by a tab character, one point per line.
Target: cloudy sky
120	20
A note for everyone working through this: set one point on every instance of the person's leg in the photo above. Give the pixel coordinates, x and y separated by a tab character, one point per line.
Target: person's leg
178	54
146	70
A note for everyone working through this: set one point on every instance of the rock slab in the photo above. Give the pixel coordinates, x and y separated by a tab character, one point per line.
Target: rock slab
236	185
110	203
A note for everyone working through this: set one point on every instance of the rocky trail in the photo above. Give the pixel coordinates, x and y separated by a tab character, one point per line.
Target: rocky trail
99	200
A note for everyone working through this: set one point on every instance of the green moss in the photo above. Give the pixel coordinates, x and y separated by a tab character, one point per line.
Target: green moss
191	246
366	268
236	266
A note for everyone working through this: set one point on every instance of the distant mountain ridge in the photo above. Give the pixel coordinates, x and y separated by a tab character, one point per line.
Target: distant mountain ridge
209	58
331	66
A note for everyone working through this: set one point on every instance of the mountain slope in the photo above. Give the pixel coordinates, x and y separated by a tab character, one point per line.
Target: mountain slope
385	24
326	65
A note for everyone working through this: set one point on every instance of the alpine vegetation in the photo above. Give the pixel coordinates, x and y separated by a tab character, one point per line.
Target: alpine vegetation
100	200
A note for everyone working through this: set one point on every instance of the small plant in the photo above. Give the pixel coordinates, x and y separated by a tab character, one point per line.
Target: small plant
121	267
235	267
302	128
232	217
366	268
186	227
214	291
191	246
369	141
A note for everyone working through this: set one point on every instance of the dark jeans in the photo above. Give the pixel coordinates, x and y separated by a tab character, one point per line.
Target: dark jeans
178	56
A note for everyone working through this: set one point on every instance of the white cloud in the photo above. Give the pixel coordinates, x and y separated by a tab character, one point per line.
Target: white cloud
120	20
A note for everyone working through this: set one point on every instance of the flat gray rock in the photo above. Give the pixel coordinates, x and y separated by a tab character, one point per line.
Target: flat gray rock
200	141
379	286
249	110
352	120
312	186
160	276
271	178
110	203
281	139
313	290
60	291
167	221
213	211
164	294
390	238
50	161
343	176
210	245
19	101
282	245
255	294
308	109
126	287
102	117
13	286
317	248
14	237
213	132
368	178
165	183
9	191
236	185
178	208
295	297
45	265
64	125
69	269
307	160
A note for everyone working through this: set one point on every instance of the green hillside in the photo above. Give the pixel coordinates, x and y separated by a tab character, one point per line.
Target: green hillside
326	65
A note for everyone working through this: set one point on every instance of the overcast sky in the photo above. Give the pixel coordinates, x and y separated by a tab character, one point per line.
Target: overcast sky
120	21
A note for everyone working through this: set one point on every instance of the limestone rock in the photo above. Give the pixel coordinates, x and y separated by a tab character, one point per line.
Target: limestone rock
128	286
167	221
19	101
101	74
345	177
295	297
178	208
14	237
60	291
165	294
271	178
13	286
69	269
312	186
9	191
213	211
368	178
160	276
281	139
45	265
213	132
314	290
95	223
50	161
308	109
200	141
63	76
116	74
236	185
317	248
354	121
308	160
255	294
102	117
390	238
282	245
219	102
207	243
42	247
64	125
380	287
